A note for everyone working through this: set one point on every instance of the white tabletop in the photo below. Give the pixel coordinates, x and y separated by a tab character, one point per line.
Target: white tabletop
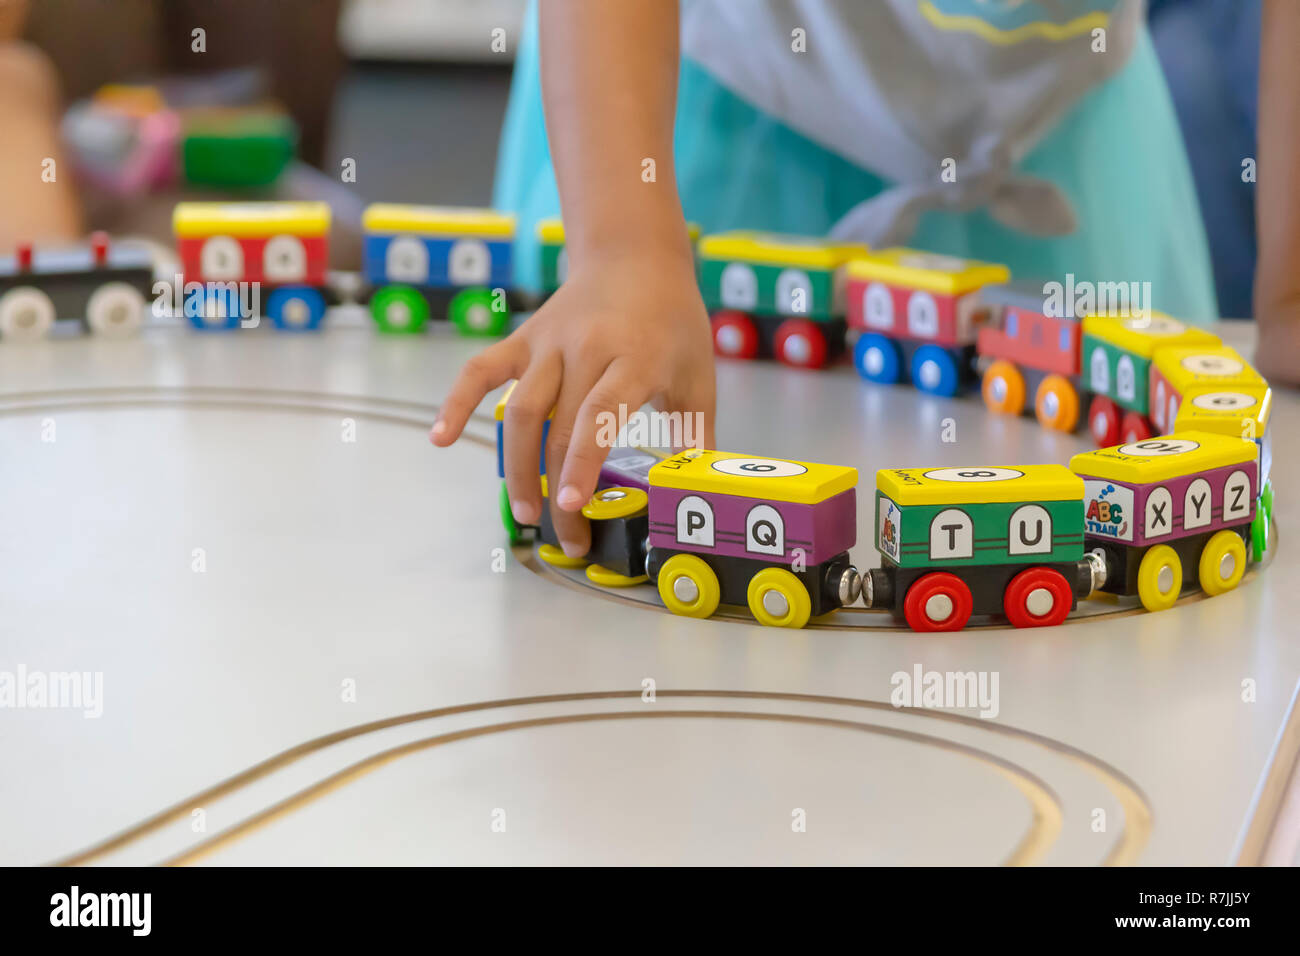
342	583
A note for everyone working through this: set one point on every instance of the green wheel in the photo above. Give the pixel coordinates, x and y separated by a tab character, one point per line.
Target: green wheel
1266	499
1259	534
508	517
399	308
476	312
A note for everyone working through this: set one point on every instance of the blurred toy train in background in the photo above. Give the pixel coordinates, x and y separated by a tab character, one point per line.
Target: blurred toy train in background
105	285
425	260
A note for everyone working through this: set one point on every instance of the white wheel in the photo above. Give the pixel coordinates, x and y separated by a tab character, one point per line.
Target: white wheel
115	309
26	314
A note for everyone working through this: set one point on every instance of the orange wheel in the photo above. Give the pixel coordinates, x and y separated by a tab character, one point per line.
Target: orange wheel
1004	388
1057	403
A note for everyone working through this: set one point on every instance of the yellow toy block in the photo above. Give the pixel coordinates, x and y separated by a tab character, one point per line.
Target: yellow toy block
250	220
978	485
776	249
1241	412
1190	366
438	220
945	275
1164	457
551	231
1143	334
752	476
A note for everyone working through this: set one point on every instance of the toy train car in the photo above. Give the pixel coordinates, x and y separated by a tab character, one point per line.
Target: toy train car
233	252
775	295
919	316
423	260
105	285
1243	413
961	541
1162	509
1030	353
1116	368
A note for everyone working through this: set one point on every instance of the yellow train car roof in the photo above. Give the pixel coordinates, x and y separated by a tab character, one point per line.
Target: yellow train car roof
438	220
975	484
752	476
771	248
1164	457
1226	411
248	220
1186	366
499	413
946	275
1143	334
551	231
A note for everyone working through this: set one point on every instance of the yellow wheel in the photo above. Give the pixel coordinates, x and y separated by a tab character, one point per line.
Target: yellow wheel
688	586
554	556
1004	388
778	599
1160	578
609	503
606	578
1223	562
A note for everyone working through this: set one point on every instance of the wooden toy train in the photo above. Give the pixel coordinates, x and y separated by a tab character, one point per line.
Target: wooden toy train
1024	544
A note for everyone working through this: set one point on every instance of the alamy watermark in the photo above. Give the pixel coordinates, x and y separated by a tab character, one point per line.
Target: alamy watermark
948	690
210	302
654	429
23	689
1075	298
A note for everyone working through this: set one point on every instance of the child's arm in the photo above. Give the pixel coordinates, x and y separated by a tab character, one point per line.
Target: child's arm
1277	197
29	118
628	326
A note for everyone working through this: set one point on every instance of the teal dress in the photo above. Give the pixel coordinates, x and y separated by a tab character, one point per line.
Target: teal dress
1118	156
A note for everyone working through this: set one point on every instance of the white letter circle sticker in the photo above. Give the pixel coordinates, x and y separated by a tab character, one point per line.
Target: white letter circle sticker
1223	401
973	474
1211	365
1152	447
695	521
758	468
764	531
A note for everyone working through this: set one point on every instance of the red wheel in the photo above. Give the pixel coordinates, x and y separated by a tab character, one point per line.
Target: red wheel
938	601
800	344
1103	421
734	335
1039	597
1134	427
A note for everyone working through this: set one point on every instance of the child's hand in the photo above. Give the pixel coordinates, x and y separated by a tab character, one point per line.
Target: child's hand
624	331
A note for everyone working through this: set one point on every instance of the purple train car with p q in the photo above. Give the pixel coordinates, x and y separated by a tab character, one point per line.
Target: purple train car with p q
766	533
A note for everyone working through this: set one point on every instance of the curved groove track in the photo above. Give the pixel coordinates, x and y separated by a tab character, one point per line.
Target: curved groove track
1128	845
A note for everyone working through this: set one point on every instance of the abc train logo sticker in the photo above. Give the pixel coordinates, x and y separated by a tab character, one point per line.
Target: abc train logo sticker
1224	402
973	474
759	468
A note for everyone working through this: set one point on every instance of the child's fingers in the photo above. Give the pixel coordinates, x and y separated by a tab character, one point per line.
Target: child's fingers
482	373
525	416
595	428
695	404
570	526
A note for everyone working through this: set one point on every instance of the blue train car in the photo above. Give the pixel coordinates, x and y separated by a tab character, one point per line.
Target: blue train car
418	259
